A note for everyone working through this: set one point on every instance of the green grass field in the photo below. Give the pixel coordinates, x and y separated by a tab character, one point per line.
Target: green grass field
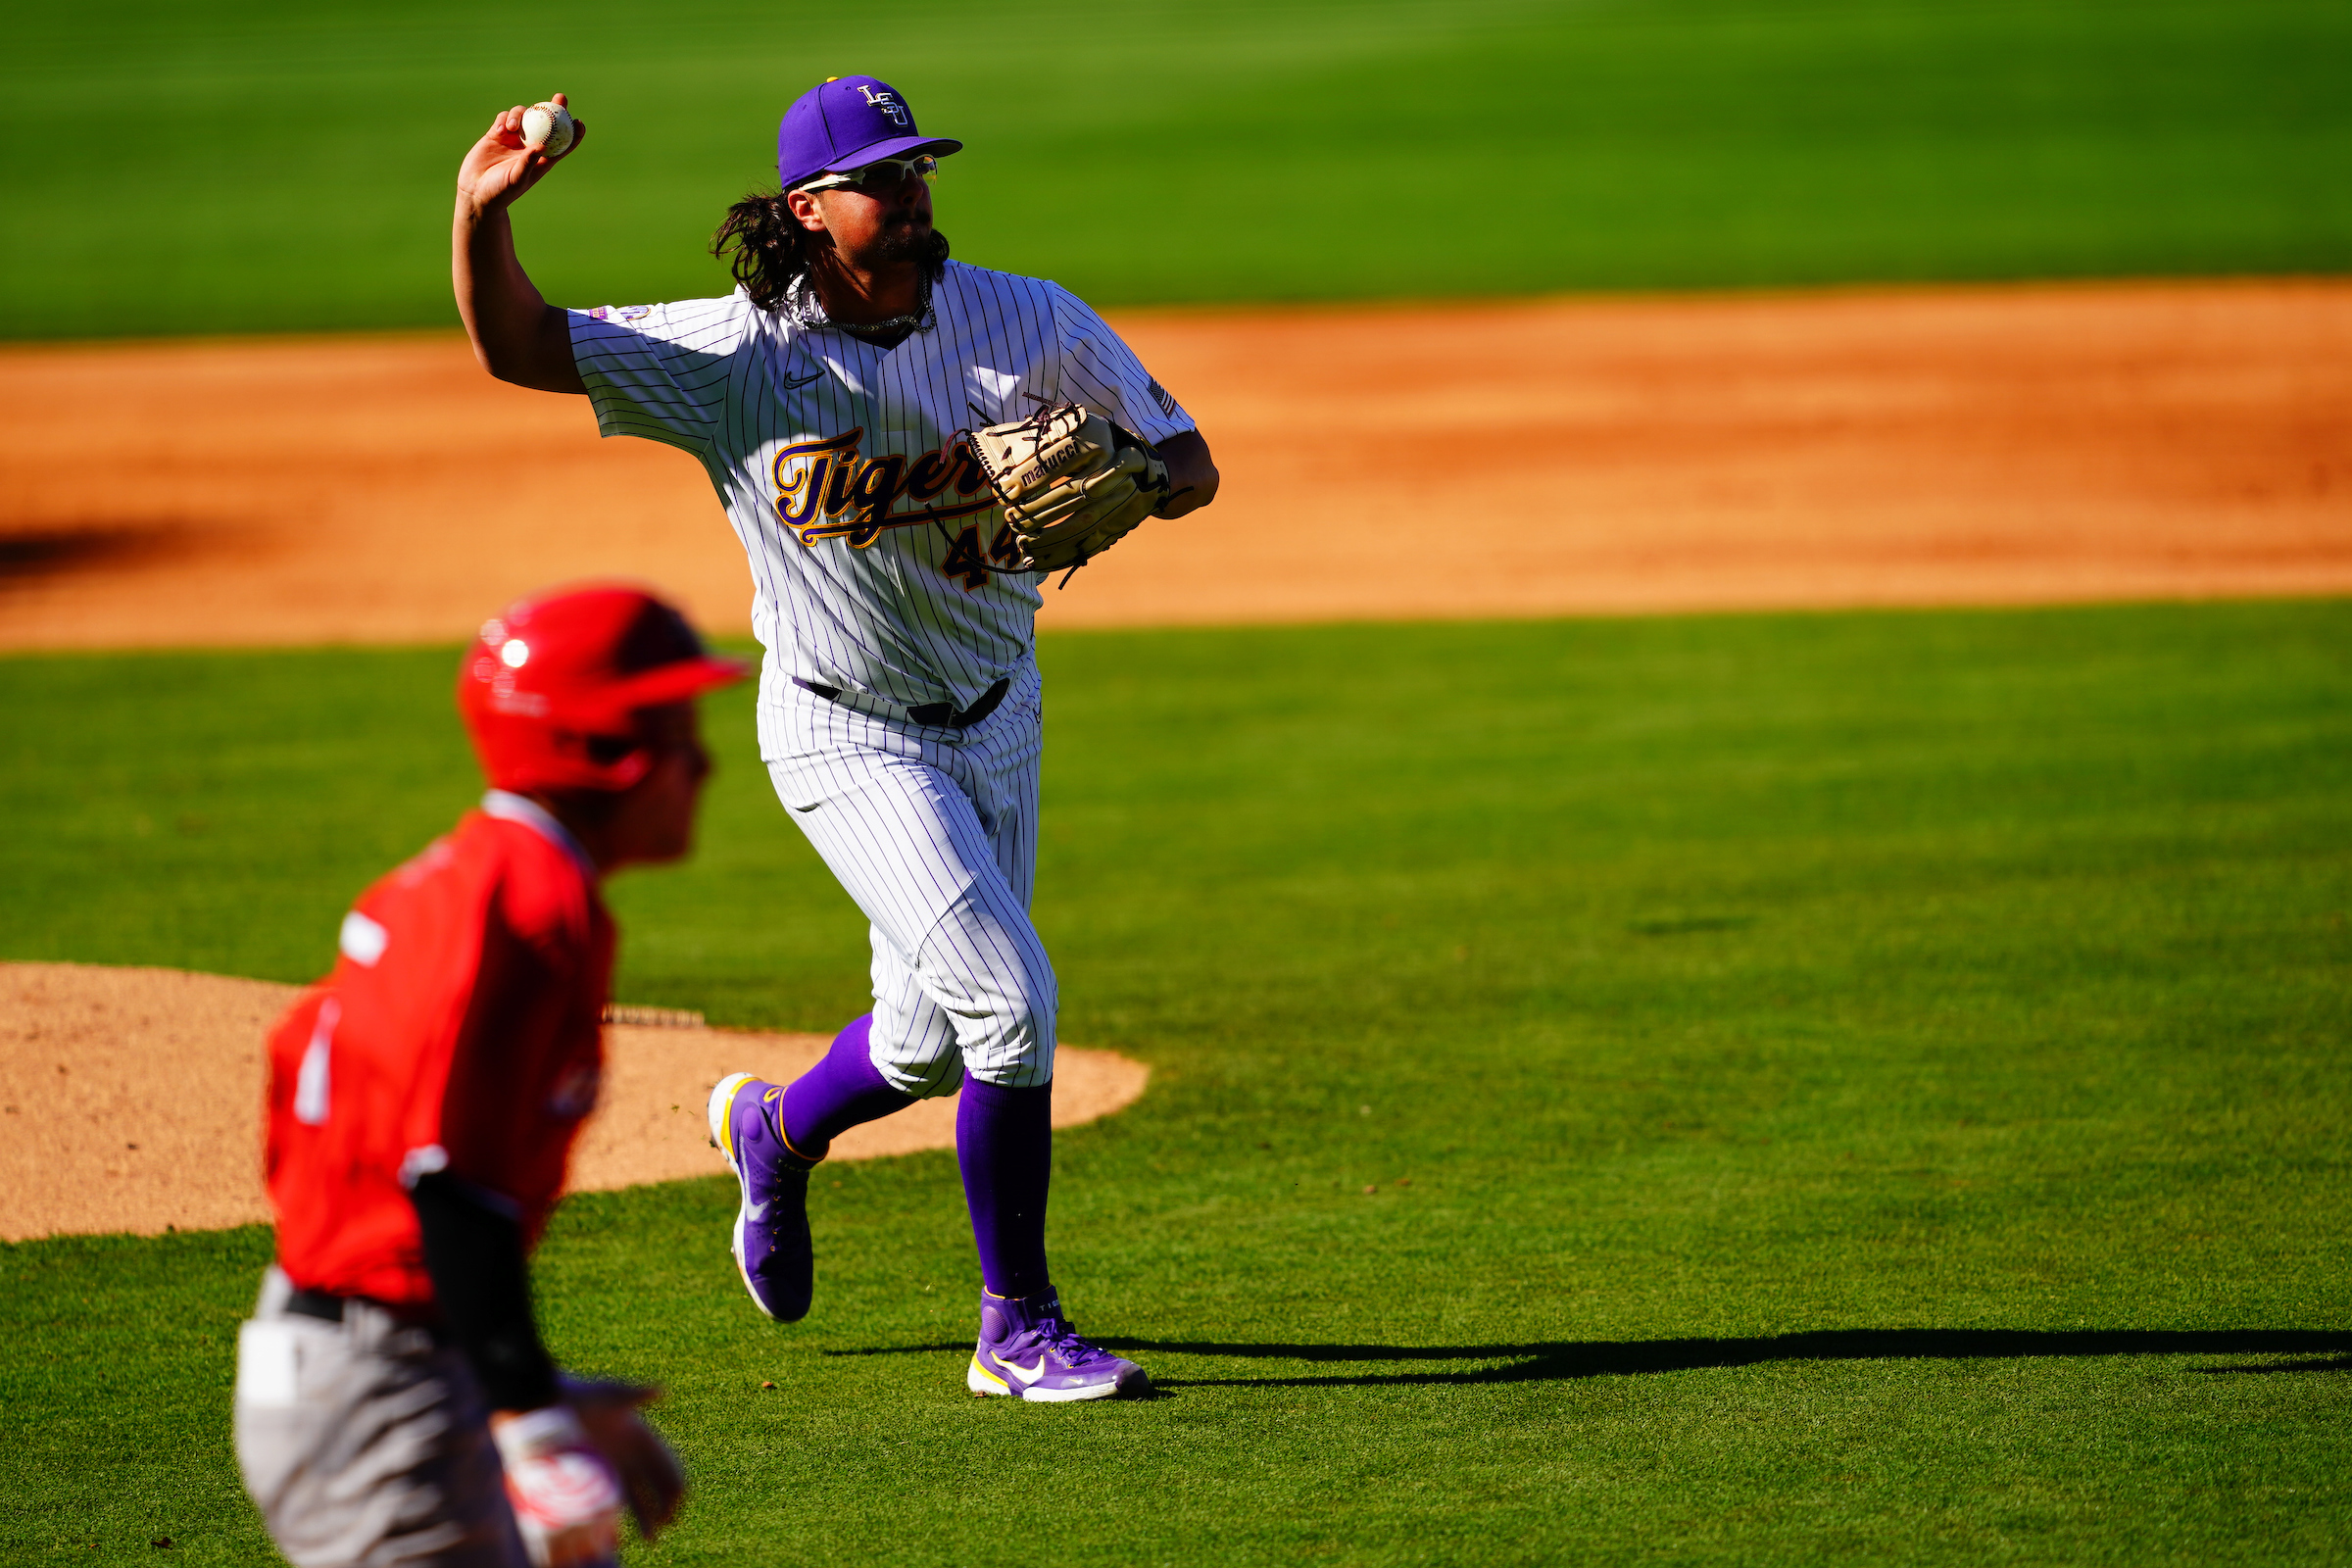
270	165
1741	1088
1872	1087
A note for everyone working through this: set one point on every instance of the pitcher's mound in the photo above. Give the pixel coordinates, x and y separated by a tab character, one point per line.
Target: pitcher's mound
130	1099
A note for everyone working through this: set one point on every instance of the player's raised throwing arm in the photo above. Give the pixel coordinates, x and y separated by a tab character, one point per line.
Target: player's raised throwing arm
517	336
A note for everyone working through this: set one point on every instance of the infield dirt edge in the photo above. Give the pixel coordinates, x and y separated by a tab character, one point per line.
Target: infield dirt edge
132	1099
2011	444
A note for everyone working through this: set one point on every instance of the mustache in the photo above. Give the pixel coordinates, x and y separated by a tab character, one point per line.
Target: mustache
907	243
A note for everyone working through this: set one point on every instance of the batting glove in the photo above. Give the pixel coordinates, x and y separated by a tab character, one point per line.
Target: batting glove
566	1499
649	1471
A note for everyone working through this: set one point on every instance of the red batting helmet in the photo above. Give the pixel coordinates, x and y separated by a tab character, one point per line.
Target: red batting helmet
551	688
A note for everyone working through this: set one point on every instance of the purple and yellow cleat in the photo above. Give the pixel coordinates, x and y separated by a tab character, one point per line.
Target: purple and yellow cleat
771	1227
1029	1351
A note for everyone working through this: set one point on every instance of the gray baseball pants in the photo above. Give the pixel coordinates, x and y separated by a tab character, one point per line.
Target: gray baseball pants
366	1445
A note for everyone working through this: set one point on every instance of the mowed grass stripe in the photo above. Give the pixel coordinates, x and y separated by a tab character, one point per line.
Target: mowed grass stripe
1864	1084
290	166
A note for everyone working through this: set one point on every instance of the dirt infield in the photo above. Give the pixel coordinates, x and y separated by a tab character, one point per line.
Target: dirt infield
132	1100
1987	445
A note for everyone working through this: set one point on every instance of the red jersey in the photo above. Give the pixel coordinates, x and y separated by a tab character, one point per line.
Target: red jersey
460	1030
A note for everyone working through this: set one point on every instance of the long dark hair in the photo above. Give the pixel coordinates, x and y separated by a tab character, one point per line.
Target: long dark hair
772	251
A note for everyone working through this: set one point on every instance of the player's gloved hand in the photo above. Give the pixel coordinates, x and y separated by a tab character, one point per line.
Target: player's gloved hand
1071	484
565	1494
648	1468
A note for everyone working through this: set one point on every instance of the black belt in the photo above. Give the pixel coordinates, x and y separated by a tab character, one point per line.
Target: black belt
329	1308
317	1305
940	715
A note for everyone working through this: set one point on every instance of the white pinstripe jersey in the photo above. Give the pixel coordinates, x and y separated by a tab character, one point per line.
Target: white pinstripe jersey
866	520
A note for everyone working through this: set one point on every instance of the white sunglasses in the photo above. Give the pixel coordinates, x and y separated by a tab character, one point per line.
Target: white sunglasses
883	173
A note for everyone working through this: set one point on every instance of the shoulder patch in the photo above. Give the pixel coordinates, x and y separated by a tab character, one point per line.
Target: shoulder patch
1159	395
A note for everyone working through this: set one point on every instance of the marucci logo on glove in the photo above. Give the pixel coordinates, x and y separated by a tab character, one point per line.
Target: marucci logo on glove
825	490
1073	484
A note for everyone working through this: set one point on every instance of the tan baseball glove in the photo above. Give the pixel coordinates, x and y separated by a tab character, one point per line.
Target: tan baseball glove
1072	484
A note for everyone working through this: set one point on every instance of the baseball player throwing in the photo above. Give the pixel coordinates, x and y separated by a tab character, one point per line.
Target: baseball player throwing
904	445
393	1401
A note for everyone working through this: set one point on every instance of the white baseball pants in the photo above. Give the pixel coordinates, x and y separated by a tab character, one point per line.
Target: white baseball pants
366	1445
933	832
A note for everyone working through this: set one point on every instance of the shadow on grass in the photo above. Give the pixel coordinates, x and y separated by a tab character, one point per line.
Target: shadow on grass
1547	1362
2326	1364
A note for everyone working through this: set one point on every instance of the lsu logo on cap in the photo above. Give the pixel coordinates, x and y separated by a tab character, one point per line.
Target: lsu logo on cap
888	105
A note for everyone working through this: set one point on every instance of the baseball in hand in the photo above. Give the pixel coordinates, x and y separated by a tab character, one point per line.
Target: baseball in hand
550	126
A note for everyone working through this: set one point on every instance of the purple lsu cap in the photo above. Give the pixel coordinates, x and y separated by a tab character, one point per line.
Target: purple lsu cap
845	123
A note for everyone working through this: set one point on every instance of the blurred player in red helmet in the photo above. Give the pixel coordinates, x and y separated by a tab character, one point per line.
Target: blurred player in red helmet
394	1403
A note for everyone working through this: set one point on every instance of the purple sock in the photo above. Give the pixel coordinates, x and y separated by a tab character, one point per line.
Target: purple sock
844	1088
1004	1142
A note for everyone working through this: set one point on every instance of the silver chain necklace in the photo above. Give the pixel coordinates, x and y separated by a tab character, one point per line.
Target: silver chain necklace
804	309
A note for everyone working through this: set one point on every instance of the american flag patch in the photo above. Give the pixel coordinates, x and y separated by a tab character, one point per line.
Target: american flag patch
1159	395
